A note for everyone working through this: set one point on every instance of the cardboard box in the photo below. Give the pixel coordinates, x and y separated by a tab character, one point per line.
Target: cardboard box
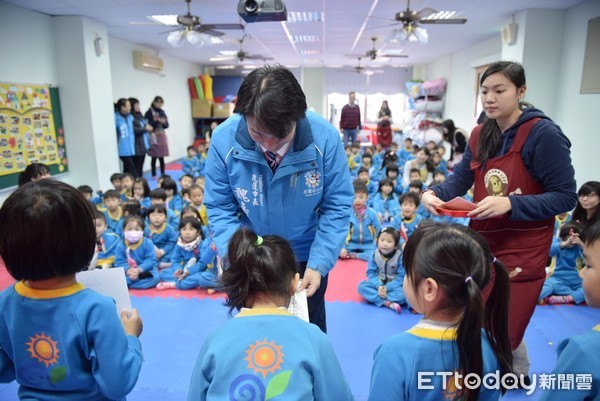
222	110
201	108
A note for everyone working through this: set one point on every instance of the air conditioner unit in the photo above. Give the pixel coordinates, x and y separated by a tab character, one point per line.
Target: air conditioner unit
147	62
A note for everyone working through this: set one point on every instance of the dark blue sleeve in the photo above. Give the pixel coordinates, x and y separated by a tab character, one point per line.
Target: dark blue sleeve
547	157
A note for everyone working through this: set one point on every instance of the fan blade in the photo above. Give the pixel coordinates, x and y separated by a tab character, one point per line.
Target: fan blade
145	23
424	13
222	58
208	31
444	21
172	30
393	55
258	57
223	26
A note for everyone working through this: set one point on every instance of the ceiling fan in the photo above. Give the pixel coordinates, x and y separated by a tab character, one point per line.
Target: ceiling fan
360	69
241	55
375	54
192	29
410	20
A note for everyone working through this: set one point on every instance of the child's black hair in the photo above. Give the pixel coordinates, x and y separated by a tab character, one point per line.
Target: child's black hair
191	147
32	172
156	209
135	217
128	175
416	184
385	181
410	196
111	193
392	167
459	260
391	231
571	227
264	265
186	175
98	215
158	193
57	220
414	170
131	207
389	157
366	156
169	184
191	209
360	187
592	233
362	170
86	189
145	186
185	191
116	176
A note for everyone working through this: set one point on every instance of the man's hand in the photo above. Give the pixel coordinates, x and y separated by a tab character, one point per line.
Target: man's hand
310	282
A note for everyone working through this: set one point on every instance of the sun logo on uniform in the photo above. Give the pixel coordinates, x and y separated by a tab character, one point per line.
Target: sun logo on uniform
264	357
44	349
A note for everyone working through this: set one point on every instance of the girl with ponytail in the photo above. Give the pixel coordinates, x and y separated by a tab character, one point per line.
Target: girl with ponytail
265	349
447	266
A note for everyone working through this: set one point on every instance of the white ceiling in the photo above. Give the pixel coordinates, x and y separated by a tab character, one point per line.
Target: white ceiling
347	28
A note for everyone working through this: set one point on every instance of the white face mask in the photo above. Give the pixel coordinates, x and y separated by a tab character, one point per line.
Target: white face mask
133	236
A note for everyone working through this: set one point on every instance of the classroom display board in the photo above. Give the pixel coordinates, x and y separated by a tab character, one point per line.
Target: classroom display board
31	130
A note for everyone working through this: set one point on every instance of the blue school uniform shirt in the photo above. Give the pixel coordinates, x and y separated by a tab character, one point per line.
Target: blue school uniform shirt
175	203
164	238
65	344
568	262
106	250
142	253
410	225
427	347
114	223
203	253
578	356
191	166
362	233
303	363
387	208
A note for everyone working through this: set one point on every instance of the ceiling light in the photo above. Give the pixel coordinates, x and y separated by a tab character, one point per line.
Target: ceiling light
175	38
195	38
305	16
410	32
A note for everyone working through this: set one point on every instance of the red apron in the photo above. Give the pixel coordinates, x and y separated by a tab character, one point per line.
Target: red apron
524	244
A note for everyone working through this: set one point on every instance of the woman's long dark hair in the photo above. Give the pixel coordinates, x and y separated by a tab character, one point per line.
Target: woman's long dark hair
265	265
491	136
133	101
579	213
458	259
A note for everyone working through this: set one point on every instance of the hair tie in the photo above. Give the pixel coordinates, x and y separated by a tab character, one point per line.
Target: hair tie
468	279
259	240
494	260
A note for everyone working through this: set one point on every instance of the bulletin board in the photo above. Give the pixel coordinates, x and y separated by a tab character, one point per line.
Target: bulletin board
31	130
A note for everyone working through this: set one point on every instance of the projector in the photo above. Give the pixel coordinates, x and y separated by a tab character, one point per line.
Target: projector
262	10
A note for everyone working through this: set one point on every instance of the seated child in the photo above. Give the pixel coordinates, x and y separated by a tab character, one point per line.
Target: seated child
159	197
136	255
189	260
88	192
58	339
127	186
265	345
197	202
417	187
578	355
141	192
106	243
174	201
162	235
186	181
363	175
385	274
457	333
564	285
113	213
408	219
415	175
367	163
364	225
115	180
385	201
191	163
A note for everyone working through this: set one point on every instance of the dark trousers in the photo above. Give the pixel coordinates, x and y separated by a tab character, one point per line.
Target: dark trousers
128	164
162	165
138	161
316	303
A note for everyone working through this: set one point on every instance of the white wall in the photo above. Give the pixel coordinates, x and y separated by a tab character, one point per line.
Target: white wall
171	84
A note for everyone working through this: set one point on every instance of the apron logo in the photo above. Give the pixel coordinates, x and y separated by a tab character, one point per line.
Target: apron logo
496	182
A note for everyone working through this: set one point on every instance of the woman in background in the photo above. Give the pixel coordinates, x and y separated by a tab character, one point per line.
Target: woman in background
384	125
142	130
159	147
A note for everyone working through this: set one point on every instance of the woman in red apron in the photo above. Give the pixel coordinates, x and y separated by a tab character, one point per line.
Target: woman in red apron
384	125
520	166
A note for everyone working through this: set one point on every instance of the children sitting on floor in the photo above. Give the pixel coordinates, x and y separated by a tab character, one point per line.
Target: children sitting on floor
162	235
113	213
191	163
385	273
407	219
106	243
385	201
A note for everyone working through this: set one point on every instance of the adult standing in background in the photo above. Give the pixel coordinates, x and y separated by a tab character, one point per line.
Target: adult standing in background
457	139
142	131
520	166
33	172
350	120
384	125
159	146
279	169
125	134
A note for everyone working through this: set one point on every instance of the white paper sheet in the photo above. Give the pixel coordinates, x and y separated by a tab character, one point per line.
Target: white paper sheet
299	305
109	282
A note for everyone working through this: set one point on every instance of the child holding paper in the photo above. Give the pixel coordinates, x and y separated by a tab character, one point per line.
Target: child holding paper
58	339
264	346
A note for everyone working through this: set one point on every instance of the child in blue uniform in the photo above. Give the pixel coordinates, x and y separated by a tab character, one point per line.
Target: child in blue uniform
113	213
106	243
58	339
578	355
364	226
136	255
174	200
162	235
385	273
564	285
385	201
189	260
265	348
408	219
191	163
141	192
447	266
158	196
